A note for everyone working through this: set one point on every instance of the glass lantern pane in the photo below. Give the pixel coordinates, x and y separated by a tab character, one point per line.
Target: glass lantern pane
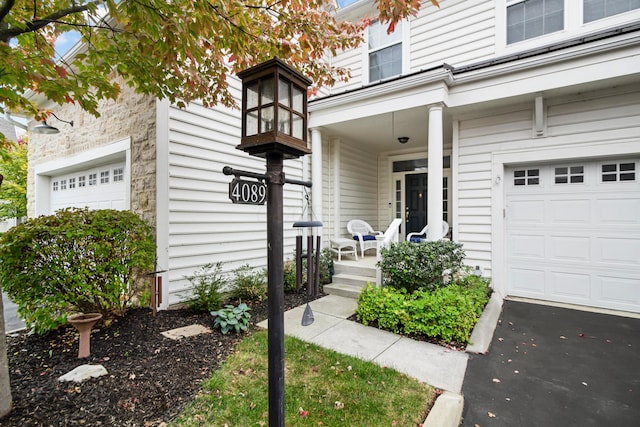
252	123
283	92
252	95
284	121
267	91
266	119
297	127
298	99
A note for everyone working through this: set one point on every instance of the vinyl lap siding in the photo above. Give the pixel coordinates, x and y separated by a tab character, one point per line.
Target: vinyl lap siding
459	32
204	226
358	186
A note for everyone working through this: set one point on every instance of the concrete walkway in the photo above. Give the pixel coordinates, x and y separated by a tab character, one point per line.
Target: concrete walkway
12	322
429	363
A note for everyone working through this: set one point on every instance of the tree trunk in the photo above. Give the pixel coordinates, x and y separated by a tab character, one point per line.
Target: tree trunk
6	402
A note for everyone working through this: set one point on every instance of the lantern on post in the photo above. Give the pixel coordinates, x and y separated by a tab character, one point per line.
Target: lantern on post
274	126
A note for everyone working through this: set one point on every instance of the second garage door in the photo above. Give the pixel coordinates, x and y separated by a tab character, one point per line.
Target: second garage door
573	233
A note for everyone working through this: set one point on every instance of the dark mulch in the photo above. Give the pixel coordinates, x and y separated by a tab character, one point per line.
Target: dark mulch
150	377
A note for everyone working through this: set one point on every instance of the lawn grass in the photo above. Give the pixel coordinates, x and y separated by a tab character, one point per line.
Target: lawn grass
322	388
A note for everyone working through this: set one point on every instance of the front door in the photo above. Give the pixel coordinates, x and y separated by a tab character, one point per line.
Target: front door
416	202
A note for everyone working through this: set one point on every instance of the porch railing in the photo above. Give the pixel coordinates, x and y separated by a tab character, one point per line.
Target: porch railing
390	236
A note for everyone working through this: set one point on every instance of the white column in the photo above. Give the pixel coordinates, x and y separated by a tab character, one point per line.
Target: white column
434	186
316	172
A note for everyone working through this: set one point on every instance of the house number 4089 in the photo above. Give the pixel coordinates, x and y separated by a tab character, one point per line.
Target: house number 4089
248	192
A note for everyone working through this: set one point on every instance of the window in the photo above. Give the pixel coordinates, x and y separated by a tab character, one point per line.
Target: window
118	174
445	198
612	172
55	185
104	177
82	181
385	52
63	184
569	175
93	179
526	177
598	9
533	18
72	183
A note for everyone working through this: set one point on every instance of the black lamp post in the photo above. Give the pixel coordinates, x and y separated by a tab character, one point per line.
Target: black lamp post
274	126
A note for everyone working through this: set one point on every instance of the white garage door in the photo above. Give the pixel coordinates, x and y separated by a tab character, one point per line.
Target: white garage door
573	233
96	188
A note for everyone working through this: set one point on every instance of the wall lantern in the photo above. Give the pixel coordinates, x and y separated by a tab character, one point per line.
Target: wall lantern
274	110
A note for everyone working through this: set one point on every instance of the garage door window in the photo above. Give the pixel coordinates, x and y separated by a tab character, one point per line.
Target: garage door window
104	177
612	172
82	181
569	175
72	183
63	184
93	179
526	177
118	174
55	185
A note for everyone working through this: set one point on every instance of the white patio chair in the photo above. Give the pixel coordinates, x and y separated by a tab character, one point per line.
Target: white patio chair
415	236
364	234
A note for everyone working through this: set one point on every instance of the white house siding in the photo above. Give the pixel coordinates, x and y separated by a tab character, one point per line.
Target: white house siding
459	32
204	226
599	118
329	200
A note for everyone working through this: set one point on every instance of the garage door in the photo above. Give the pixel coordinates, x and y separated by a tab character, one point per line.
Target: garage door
96	188
573	233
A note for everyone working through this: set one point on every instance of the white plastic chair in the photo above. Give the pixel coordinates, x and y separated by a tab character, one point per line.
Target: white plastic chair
364	234
423	232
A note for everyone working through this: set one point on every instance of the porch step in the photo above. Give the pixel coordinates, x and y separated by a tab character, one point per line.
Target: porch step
353	279
342	290
349	279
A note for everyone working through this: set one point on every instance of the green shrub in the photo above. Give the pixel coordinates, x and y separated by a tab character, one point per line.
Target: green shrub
416	266
290	276
249	284
446	313
75	260
232	318
326	266
206	286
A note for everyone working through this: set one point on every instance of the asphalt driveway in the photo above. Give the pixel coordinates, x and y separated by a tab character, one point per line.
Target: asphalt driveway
550	366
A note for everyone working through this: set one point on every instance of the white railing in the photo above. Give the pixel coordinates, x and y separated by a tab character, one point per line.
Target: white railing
384	241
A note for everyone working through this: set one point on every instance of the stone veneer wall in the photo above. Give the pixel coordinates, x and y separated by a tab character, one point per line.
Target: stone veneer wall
131	115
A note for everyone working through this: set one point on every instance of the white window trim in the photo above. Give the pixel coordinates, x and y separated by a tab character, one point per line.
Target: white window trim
406	50
573	26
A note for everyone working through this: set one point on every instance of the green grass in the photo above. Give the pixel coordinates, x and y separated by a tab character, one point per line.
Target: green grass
322	388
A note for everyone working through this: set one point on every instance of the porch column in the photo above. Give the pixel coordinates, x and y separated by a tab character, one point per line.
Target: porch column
316	172
434	185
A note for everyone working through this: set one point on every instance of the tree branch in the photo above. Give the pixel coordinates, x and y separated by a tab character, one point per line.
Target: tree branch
35	25
7	5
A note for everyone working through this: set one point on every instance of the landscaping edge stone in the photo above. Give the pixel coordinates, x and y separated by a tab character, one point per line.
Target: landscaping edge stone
446	411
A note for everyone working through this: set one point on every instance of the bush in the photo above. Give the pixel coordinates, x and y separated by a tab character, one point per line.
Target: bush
416	266
447	313
250	284
207	285
290	276
232	318
75	260
326	266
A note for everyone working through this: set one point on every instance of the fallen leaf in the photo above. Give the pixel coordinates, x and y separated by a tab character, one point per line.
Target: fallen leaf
338	405
516	372
132	377
303	413
562	337
491	414
584	384
495	380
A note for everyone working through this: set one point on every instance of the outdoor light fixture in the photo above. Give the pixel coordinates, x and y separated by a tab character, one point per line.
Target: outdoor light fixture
274	110
46	129
403	139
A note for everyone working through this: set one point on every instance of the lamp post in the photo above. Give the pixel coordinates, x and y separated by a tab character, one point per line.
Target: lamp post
274	126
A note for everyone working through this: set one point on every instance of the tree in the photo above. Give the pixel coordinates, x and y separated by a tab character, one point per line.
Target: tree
6	401
13	193
181	50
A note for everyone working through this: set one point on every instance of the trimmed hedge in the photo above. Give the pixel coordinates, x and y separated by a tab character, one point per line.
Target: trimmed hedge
446	313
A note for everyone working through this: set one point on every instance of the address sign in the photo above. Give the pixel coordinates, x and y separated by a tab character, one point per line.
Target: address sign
248	192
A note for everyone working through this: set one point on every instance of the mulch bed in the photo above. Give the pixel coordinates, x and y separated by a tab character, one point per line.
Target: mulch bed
150	377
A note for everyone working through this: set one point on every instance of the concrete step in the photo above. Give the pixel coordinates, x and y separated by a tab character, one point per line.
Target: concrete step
343	290
354	269
352	279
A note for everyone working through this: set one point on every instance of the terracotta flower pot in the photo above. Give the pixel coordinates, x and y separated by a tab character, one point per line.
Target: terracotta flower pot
83	323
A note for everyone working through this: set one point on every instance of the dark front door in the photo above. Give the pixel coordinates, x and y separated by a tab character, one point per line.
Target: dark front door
415	202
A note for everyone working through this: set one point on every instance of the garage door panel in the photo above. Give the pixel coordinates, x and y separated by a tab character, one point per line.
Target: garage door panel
572	285
570	248
577	243
569	211
617	211
619	250
528	246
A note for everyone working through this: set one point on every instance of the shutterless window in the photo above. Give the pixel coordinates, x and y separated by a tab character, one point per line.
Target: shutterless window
533	18
82	181
625	171
55	185
526	177
598	9
118	174
385	52
93	179
569	175
104	177
63	184
72	183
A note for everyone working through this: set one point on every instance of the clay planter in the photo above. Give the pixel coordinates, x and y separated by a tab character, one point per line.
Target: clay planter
83	323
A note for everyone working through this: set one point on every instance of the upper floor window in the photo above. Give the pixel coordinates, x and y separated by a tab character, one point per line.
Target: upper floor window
598	9
527	19
385	51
